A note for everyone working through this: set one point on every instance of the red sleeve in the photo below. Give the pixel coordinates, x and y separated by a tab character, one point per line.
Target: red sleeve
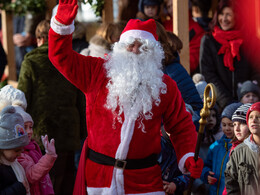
178	122
80	70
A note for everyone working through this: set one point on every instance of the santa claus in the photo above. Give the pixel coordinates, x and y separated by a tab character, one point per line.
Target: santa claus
128	98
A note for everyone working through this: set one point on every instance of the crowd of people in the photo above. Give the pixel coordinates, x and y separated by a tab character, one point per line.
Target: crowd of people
120	114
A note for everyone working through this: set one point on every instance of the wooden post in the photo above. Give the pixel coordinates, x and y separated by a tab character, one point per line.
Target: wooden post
7	29
107	13
181	29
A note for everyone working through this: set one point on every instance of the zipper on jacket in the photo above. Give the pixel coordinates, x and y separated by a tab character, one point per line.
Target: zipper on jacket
226	147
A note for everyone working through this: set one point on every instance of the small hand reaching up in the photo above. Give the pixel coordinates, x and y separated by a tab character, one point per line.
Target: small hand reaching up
49	146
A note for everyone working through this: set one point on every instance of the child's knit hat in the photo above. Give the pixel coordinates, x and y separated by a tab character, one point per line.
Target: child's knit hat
142	3
256	107
12	133
246	87
26	116
240	113
200	86
229	110
13	96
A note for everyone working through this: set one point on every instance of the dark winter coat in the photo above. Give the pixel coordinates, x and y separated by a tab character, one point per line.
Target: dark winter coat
168	162
213	68
56	106
8	182
185	84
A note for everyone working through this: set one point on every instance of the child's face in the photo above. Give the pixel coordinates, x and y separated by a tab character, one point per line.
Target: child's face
150	10
249	98
254	122
29	129
11	154
169	7
241	130
211	120
227	127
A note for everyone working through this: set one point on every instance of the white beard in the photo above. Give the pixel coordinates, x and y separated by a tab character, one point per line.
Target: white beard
135	81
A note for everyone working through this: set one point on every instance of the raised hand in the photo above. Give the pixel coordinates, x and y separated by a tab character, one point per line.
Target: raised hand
67	11
49	146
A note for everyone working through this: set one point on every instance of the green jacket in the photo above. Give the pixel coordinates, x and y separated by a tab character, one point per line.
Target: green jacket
242	169
56	106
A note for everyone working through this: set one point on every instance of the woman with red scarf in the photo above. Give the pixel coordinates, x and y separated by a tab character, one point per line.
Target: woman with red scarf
222	56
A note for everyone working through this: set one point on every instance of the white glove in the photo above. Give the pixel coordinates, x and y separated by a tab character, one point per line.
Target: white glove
49	146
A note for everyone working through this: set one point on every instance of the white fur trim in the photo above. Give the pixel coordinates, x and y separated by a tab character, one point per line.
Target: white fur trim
117	184
152	193
182	162
138	34
62	29
106	191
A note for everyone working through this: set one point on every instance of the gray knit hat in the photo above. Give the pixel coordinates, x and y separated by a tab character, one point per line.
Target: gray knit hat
229	110
12	133
240	113
246	87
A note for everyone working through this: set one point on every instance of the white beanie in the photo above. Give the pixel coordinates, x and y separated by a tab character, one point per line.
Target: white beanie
12	95
26	117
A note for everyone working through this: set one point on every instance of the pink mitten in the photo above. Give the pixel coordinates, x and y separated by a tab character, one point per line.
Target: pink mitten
49	146
67	11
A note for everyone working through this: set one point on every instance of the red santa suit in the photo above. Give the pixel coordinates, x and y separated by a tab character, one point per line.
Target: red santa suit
120	140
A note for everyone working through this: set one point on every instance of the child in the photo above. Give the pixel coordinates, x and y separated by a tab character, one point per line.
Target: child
148	9
174	182
215	163
35	165
13	138
212	132
240	128
248	92
101	43
241	174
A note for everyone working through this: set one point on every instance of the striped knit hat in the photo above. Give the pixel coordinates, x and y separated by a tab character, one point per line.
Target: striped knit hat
240	113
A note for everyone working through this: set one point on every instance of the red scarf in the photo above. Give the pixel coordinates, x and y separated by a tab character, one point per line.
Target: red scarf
231	42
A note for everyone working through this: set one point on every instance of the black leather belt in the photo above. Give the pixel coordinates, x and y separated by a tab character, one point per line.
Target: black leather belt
122	164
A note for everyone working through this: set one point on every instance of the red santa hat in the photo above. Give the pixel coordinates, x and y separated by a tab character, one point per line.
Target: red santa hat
254	107
140	29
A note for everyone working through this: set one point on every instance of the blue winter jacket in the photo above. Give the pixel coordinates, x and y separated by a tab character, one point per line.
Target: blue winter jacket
185	84
217	158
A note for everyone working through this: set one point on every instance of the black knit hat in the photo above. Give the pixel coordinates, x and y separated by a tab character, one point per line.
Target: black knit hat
246	87
240	113
142	3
